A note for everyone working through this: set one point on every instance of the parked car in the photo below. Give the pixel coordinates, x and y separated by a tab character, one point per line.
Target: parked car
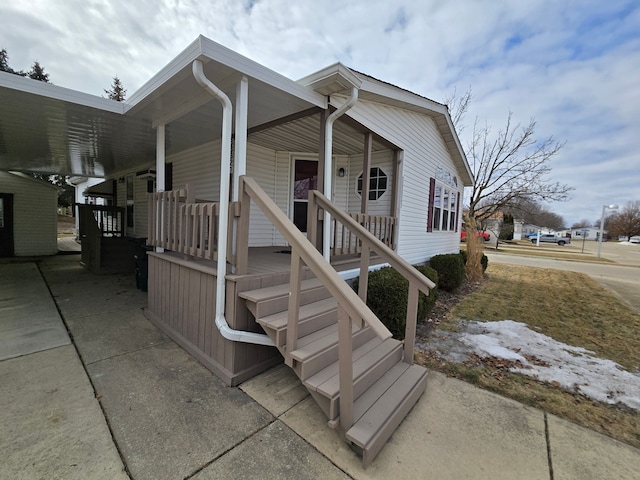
479	233
551	238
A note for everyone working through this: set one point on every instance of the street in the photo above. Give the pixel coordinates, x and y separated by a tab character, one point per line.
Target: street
622	277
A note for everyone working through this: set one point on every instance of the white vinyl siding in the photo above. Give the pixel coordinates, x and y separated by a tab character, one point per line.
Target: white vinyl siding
424	151
381	206
262	166
200	168
34	215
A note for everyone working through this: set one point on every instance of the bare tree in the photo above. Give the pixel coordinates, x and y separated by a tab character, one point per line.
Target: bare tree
508	166
582	224
626	223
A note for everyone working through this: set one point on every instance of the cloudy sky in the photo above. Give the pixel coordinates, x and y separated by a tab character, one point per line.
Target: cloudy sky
574	65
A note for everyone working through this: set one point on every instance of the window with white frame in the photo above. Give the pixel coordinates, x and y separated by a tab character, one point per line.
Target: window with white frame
443	207
377	183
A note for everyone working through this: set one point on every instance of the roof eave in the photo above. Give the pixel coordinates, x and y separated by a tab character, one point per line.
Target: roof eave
387	93
207	50
332	79
36	87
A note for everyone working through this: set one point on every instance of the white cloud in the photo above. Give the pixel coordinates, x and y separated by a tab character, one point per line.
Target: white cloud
573	65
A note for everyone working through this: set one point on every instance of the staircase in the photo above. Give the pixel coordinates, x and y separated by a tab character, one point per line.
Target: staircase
385	387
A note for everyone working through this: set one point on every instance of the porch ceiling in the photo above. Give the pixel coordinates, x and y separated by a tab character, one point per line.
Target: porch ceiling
303	135
49	129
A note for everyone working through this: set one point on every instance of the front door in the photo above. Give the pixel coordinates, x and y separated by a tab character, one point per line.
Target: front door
6	225
305	178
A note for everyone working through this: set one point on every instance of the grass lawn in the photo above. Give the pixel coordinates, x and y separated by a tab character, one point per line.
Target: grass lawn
569	307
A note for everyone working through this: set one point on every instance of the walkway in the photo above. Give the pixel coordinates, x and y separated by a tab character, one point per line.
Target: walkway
123	401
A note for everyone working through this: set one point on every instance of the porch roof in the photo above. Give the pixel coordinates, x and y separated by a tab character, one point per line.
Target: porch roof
49	129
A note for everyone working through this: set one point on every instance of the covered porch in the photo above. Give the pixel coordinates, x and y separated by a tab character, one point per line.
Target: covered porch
234	132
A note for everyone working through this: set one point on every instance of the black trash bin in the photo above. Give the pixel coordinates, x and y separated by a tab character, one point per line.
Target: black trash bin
140	250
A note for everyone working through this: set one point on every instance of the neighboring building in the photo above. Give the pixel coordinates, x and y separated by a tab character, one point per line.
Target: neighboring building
28	216
239	177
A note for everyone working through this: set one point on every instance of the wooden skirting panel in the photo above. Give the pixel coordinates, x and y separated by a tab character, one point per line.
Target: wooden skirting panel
182	303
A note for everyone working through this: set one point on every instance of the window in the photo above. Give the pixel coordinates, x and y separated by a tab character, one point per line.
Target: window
443	207
377	183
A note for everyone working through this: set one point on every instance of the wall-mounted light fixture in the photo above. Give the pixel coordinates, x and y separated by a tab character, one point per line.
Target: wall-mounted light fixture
341	172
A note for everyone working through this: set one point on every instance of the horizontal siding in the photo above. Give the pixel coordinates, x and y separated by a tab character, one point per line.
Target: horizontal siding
34	215
140	206
199	167
261	165
424	151
283	190
381	206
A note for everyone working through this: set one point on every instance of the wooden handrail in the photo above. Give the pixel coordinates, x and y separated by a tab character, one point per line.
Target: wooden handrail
385	252
344	295
417	281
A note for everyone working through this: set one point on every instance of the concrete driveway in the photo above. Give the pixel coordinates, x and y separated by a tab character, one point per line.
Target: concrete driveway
621	277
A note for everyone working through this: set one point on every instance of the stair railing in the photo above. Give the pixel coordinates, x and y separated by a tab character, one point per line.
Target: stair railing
370	243
350	306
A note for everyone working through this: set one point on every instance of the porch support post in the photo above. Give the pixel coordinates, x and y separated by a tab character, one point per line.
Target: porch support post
324	115
160	180
366	172
396	183
328	167
395	195
240	143
239	160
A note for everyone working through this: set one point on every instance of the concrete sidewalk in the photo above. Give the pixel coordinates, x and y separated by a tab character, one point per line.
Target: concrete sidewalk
142	399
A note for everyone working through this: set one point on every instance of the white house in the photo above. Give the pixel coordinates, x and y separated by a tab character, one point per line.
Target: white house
259	195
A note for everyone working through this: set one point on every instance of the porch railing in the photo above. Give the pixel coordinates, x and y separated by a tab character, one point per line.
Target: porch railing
179	223
351	306
346	242
101	220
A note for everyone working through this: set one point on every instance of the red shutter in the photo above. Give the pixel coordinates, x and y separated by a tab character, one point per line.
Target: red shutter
432	193
458	212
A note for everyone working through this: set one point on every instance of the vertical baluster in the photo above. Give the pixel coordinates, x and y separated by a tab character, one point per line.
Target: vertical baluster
345	364
410	329
294	306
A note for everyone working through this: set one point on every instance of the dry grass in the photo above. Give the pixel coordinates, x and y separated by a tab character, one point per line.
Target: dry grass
569	307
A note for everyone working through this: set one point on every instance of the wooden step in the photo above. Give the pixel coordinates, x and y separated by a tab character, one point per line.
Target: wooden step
312	317
382	411
314	356
371	362
266	301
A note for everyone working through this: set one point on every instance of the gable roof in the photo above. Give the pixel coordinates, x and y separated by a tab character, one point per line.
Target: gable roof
378	91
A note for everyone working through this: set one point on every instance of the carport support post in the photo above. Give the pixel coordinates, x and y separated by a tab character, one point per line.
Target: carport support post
160	171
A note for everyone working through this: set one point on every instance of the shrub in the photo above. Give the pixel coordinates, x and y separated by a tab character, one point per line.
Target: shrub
387	295
484	260
450	268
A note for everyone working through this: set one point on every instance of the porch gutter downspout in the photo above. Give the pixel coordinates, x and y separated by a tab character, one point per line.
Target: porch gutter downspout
328	167
223	219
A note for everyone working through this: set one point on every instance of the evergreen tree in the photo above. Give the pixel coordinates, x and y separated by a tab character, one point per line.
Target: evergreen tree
4	64
117	91
37	73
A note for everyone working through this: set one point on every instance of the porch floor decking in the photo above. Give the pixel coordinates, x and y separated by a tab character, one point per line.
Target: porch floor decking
266	260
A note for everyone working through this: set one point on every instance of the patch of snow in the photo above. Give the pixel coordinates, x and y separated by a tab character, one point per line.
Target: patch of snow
542	357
